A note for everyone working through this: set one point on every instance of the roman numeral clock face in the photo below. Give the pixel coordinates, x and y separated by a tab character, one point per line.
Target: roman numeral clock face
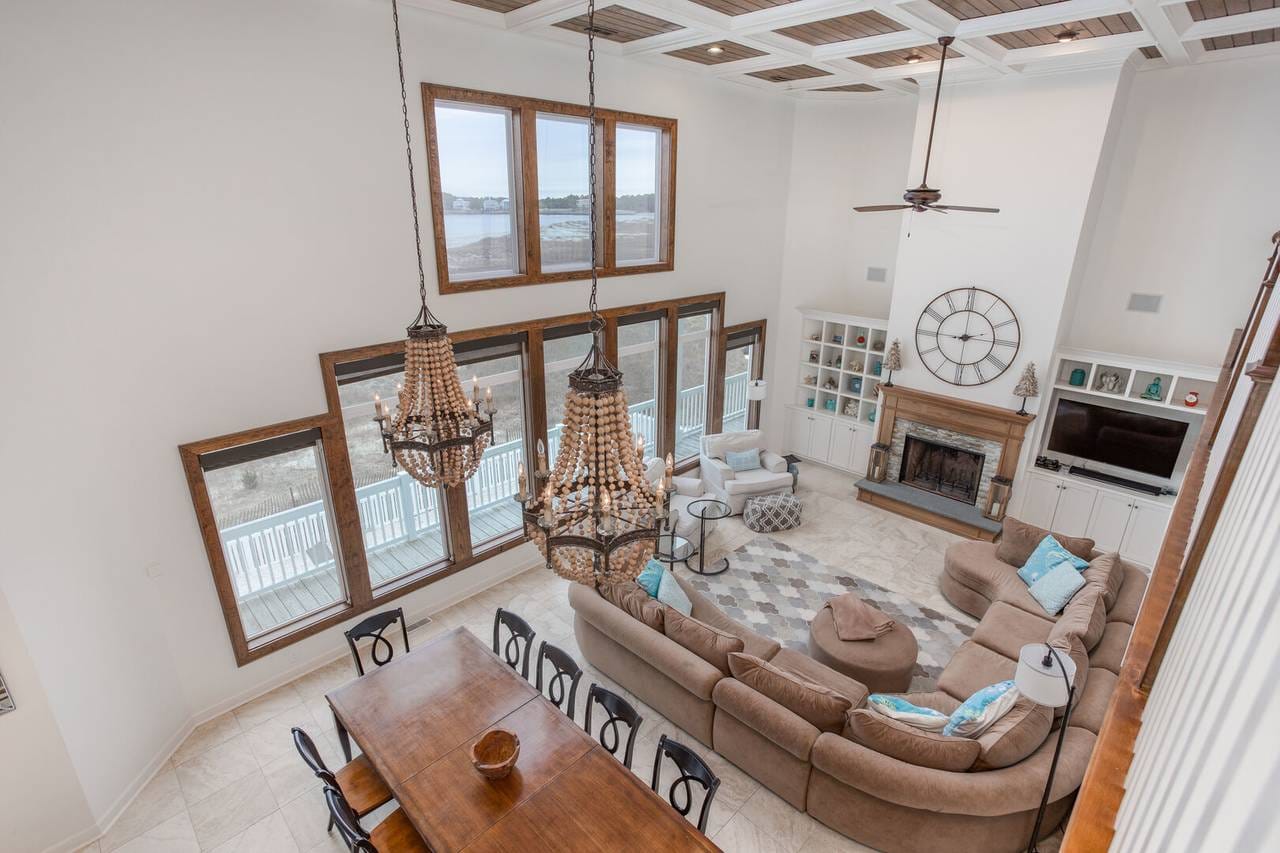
967	336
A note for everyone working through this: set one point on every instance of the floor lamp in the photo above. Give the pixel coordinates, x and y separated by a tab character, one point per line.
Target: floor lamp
1046	678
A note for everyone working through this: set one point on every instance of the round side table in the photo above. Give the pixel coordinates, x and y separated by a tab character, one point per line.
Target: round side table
673	548
706	510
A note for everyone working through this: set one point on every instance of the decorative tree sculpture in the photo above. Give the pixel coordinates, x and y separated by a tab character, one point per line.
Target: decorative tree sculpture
1028	386
892	361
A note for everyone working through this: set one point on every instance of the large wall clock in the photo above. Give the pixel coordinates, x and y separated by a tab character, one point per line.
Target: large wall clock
967	336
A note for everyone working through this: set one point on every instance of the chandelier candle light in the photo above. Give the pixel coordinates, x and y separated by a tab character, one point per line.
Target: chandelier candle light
436	434
594	516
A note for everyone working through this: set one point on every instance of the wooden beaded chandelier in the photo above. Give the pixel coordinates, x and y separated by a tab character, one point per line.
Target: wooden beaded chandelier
594	515
437	435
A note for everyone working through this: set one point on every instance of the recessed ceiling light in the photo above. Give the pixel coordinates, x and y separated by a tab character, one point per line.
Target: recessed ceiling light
715	49
1066	36
913	58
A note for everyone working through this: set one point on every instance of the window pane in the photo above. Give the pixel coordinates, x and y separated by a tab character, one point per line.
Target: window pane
564	193
477	185
399	517
638	194
273	517
491	505
738	363
638	361
691	383
560	357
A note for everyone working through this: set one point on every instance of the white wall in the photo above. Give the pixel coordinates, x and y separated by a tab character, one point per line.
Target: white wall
200	198
1188	214
842	153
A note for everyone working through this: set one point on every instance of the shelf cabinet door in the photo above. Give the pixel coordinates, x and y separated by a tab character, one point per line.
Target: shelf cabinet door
841	452
1145	533
1110	519
1041	501
820	439
861	452
799	432
1075	509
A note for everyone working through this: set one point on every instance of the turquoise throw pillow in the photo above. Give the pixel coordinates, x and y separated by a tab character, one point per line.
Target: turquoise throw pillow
1055	589
670	594
1048	554
651	577
746	460
981	710
897	708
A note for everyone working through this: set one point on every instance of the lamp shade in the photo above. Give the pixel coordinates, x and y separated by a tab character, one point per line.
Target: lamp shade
1044	685
757	389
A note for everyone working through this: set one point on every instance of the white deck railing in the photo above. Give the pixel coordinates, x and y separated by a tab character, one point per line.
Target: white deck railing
282	547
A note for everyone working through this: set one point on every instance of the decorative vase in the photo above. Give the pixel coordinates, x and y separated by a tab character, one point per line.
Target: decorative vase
809	402
871	416
837	339
829	405
1192	399
862	339
1078	376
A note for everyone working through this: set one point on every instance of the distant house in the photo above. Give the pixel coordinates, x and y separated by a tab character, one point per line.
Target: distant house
506	204
461	204
491	204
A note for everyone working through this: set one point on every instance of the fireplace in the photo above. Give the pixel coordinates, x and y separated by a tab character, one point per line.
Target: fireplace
952	472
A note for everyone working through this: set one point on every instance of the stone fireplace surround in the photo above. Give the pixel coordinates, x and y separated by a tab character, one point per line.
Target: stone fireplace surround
995	432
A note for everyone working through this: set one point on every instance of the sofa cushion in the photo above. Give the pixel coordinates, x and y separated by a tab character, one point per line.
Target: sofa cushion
650	577
1014	736
1131	593
1019	539
710	644
1091	702
819	673
1106	571
672	594
756	481
1006	629
743	460
1047	555
1109	654
635	602
716	446
766	717
900	741
1085	616
705	610
973	667
974	565
818	705
907	712
1057	587
1064	640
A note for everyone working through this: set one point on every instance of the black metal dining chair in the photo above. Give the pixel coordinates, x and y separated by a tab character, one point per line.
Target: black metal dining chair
359	783
395	834
692	769
519	636
381	650
617	710
565	671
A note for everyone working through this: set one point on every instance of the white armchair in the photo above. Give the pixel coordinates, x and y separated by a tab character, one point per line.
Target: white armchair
684	491
735	487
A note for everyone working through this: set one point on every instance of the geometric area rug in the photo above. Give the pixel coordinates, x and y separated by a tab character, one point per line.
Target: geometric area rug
776	591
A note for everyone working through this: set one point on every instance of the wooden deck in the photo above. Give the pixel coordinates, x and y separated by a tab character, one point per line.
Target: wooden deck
269	610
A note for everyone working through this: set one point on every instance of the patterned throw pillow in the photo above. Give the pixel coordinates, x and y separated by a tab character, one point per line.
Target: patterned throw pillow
897	708
745	460
980	711
1048	554
1055	589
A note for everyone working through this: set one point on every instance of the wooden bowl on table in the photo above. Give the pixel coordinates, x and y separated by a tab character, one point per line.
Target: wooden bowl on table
495	753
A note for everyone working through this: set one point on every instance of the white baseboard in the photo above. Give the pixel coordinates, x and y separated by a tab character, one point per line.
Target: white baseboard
89	834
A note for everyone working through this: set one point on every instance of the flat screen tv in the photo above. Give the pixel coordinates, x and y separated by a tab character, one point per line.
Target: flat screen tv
1139	442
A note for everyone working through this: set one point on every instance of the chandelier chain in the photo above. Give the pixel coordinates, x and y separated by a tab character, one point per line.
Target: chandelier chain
597	322
427	317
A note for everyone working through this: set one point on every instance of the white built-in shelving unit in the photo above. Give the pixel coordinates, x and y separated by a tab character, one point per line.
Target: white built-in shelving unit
1135	376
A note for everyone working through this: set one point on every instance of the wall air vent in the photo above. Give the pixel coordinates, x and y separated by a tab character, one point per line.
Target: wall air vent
1147	302
877	274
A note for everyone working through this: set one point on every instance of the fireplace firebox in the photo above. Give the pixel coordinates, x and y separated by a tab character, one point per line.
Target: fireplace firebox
952	472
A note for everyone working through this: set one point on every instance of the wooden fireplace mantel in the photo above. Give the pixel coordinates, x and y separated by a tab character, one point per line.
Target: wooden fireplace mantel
994	423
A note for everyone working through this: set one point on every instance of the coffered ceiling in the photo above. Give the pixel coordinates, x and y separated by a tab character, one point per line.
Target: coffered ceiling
865	49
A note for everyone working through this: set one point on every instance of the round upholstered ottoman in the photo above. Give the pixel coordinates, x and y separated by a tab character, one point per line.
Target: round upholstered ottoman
884	665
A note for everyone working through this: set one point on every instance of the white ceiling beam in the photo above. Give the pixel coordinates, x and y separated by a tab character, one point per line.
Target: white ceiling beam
1040	16
792	14
871	44
1165	24
1087	49
681	12
543	13
663	42
984	51
1228	25
919	15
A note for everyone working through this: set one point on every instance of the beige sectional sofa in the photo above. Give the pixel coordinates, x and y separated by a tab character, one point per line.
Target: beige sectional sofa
860	791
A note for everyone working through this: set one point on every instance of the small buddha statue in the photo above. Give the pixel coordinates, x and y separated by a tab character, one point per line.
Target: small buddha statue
1153	391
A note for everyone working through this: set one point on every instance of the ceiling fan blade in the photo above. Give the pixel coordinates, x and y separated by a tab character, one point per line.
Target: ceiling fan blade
963	207
875	208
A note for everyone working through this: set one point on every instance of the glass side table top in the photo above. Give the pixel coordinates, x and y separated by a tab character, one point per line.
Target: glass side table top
709	509
673	548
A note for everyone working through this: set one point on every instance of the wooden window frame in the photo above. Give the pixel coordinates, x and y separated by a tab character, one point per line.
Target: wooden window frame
713	418
525	165
341	485
757	365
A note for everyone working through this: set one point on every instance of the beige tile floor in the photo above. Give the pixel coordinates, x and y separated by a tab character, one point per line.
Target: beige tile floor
236	785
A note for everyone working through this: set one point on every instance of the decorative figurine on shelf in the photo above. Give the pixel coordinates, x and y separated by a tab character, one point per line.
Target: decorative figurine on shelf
809	402
830	384
837	340
876	367
850	408
835	362
855	385
813	356
855	366
811	380
871	416
815	337
829	405
1154	391
1028	386
862	339
1108	381
1077	377
892	362
1192	399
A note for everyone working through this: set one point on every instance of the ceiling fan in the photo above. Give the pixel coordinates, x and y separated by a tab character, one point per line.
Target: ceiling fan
925	197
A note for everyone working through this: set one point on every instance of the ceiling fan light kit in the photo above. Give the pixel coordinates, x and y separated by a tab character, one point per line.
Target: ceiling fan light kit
924	197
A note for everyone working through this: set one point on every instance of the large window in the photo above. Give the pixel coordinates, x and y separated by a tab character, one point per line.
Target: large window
563	349
693	367
743	362
510	182
639	340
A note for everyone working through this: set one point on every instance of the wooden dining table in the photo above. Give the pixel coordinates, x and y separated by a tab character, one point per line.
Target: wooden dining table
416	719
